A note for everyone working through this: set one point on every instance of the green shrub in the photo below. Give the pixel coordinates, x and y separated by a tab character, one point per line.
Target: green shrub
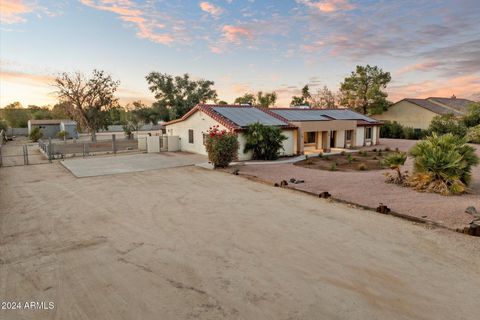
343	153
395	161
264	141
333	167
349	158
35	134
62	134
3	125
443	164
222	147
472	119
473	134
447	123
392	130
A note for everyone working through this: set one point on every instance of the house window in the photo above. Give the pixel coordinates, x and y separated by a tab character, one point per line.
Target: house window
190	136
348	135
368	133
309	137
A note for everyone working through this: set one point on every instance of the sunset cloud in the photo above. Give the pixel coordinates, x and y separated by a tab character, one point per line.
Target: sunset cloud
12	11
463	87
327	6
148	27
26	78
211	8
420	66
236	33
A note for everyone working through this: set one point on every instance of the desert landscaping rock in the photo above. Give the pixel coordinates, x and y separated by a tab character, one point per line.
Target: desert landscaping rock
368	188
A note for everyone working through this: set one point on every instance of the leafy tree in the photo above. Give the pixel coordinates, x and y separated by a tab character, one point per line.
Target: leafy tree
447	123
443	164
115	115
323	99
472	118
264	141
304	99
162	111
222	102
145	114
16	116
179	94
131	124
266	100
89	97
363	90
247	98
39	113
395	161
62	110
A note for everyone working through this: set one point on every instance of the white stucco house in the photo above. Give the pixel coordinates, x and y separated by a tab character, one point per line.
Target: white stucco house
307	130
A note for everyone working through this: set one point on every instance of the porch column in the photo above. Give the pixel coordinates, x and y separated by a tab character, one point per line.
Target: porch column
300	140
377	135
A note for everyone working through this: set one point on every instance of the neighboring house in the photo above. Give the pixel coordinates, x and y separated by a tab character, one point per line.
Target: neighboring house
418	113
307	130
51	128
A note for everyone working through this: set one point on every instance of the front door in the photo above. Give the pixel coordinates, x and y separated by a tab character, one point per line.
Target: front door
333	138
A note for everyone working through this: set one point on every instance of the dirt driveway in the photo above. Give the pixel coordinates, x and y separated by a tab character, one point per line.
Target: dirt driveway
188	243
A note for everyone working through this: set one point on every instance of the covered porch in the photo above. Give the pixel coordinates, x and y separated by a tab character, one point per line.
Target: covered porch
325	136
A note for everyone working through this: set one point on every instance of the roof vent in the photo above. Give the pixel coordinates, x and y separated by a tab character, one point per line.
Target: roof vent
246	104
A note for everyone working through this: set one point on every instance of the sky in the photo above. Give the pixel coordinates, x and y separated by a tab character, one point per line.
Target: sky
431	48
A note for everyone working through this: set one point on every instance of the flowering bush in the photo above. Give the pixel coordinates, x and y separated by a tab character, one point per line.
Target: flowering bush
222	147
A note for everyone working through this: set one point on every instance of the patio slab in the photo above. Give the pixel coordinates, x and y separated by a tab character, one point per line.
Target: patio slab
100	166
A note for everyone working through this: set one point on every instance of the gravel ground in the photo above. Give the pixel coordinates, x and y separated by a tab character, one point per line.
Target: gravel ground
190	243
369	189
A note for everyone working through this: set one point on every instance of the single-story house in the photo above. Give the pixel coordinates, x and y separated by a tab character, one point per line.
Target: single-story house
307	130
323	129
418	113
51	128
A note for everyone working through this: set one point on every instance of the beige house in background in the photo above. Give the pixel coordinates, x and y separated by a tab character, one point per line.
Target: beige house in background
418	113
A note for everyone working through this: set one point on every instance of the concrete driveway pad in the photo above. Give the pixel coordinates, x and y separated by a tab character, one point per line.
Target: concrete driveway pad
100	166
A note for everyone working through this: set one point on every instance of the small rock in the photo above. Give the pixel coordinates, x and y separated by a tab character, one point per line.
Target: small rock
299	181
235	172
472	211
283	183
292	180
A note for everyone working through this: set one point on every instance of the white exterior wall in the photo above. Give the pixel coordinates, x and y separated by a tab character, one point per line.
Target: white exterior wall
340	140
199	122
360	136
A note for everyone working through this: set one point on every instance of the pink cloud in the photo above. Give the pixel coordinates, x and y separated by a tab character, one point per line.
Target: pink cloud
12	11
327	6
129	12
211	8
467	86
236	33
421	66
26	78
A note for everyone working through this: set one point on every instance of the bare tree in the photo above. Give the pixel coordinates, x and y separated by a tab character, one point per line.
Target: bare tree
90	98
323	99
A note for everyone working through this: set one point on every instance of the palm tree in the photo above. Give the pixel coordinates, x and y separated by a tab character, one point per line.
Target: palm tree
394	161
443	164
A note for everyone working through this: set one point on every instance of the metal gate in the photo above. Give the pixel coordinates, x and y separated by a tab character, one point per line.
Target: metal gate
12	154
